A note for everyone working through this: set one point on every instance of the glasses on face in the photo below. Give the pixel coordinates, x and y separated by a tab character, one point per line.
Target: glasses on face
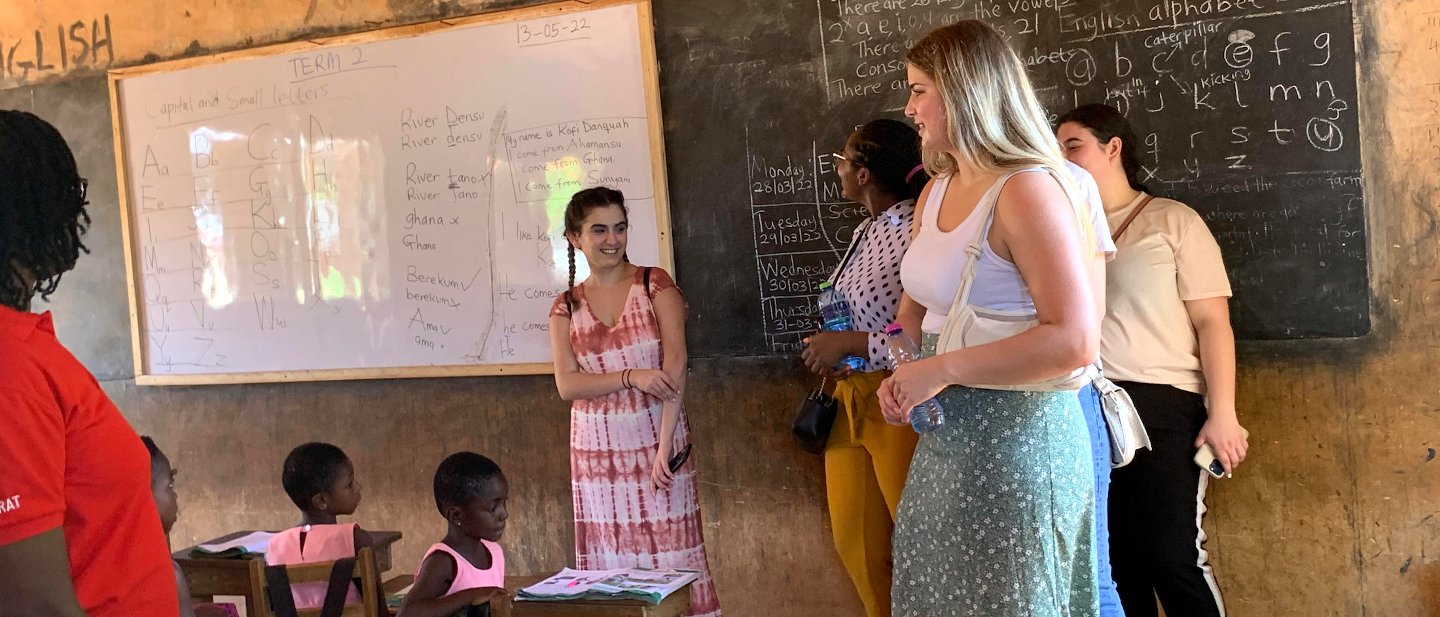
839	156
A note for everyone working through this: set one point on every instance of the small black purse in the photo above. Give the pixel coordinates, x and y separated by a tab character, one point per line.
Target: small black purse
816	415
814	420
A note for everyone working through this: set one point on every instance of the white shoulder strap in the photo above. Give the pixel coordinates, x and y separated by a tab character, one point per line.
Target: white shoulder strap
855	241
954	319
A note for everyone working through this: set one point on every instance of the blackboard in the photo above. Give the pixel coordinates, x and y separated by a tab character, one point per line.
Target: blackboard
1247	111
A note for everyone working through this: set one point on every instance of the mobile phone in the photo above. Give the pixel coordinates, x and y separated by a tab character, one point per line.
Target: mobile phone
1205	458
678	460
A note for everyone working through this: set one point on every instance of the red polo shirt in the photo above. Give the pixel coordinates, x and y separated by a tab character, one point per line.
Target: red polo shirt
69	459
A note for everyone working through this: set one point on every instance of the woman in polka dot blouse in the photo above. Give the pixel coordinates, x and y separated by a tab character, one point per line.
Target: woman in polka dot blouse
866	460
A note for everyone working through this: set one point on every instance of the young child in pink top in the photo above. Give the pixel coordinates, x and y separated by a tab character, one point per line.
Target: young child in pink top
320	479
467	567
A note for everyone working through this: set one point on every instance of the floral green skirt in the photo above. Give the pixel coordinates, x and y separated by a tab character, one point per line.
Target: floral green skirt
997	514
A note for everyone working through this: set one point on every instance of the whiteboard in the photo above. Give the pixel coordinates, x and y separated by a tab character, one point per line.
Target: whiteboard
388	204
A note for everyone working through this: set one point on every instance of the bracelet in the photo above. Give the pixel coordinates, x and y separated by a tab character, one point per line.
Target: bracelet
625	379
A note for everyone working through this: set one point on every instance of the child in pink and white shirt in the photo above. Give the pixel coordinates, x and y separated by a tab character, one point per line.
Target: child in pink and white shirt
467	567
320	479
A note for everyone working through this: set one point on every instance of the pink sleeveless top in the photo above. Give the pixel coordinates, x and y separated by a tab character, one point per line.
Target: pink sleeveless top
322	543
470	577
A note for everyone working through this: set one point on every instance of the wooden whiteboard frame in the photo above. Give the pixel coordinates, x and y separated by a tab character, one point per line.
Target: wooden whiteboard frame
650	76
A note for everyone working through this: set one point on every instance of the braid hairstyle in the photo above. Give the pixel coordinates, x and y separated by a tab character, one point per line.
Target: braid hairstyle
575	212
890	149
569	299
42	209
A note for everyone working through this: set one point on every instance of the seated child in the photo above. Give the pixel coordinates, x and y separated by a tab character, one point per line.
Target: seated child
466	568
320	479
162	485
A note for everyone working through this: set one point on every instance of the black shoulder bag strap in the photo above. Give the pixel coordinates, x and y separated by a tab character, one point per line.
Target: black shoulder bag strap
1126	225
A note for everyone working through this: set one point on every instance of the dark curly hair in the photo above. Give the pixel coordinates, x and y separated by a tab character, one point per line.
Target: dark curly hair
42	209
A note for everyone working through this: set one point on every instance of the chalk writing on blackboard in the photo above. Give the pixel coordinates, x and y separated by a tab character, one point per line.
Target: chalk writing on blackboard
1245	110
801	227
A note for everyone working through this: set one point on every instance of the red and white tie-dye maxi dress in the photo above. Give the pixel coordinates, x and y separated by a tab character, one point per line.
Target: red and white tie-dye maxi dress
621	521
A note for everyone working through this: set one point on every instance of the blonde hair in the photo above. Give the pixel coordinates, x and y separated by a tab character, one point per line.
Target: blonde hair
993	118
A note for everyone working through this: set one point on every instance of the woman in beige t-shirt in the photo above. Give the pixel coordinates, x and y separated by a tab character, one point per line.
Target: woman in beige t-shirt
1166	339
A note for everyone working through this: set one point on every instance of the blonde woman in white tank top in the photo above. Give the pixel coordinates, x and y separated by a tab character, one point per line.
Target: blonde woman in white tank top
997	513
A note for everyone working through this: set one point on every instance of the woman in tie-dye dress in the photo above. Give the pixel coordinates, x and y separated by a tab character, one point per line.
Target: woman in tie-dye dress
619	345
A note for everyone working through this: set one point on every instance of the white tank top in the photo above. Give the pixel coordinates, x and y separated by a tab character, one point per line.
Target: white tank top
935	261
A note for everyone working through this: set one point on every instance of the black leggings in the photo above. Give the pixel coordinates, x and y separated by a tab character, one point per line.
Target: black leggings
1156	503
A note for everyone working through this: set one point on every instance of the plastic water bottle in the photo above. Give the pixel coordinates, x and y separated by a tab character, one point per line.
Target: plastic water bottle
835	317
926	416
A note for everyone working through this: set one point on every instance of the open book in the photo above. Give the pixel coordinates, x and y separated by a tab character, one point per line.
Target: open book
248	545
628	584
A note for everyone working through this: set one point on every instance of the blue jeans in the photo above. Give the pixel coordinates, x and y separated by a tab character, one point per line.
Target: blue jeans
1100	460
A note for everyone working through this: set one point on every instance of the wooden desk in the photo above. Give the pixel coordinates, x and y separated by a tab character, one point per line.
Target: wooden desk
210	577
672	606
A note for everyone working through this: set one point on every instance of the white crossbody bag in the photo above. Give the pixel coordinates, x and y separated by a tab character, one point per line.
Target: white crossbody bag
1127	432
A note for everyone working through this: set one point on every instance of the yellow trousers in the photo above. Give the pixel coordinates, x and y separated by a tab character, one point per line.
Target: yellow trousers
866	461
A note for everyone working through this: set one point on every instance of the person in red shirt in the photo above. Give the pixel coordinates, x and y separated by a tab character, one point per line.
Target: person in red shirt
79	530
